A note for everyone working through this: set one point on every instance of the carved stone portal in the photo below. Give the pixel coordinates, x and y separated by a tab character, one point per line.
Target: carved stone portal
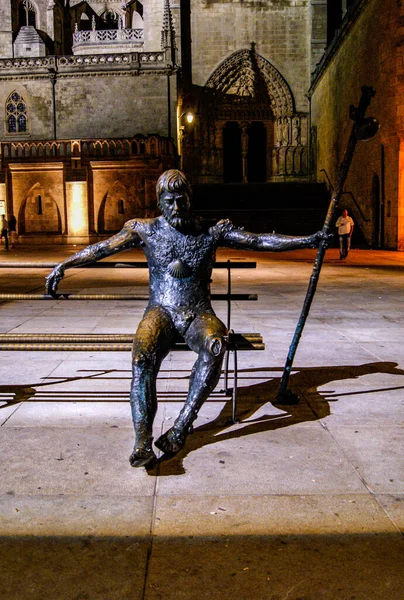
246	117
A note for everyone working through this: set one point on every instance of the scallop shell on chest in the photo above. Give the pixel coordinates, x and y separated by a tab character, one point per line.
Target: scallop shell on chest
178	269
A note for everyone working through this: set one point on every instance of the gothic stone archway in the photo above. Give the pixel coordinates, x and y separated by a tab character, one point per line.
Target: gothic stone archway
39	213
117	206
246	98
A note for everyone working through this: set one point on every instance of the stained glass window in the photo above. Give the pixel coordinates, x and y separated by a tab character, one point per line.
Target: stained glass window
22	123
16	113
12	124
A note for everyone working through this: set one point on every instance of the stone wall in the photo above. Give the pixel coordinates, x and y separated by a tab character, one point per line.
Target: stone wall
51	206
27	183
6	38
280	28
76	191
37	94
111	106
106	103
153	24
131	184
369	52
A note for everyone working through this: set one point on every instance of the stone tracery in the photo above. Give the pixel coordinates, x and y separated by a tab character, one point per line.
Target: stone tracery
247	74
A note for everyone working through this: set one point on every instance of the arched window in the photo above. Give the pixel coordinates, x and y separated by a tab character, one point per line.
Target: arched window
26	14
121	207
110	19
16	113
85	22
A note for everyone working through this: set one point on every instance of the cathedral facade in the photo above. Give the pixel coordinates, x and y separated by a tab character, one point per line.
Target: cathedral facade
100	96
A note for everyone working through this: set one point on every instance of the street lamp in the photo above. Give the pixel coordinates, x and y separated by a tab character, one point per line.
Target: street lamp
185	126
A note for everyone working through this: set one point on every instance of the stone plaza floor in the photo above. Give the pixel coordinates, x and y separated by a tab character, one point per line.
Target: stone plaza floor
303	502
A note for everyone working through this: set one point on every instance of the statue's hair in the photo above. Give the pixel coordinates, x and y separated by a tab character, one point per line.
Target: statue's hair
173	181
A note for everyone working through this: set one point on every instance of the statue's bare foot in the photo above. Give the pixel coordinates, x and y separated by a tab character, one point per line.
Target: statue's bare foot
172	441
142	457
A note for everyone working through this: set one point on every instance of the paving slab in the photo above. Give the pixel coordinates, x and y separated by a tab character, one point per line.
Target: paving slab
227	515
76	567
72	414
393	504
75	515
317	567
374	452
70	461
281	459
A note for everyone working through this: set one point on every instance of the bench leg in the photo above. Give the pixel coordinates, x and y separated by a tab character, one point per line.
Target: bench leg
235	383
226	371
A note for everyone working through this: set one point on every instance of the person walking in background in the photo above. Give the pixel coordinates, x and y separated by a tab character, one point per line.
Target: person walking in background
4	231
345	226
12	228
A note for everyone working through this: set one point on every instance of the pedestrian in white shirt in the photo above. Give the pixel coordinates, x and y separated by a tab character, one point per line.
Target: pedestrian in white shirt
345	226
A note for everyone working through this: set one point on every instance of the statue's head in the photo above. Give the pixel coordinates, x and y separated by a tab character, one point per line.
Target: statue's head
174	198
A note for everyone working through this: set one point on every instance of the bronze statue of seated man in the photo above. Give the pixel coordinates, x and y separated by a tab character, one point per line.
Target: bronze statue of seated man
180	249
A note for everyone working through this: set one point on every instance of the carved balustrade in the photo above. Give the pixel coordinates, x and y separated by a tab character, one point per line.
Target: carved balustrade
139	146
40	65
290	153
108	36
290	161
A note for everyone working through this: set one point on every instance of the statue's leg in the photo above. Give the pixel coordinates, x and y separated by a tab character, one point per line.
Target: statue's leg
151	344
206	336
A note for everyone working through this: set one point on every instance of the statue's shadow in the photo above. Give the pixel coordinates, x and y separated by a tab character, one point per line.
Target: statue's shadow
255	413
252	400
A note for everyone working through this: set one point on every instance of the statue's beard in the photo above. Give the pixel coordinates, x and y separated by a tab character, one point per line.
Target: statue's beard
180	223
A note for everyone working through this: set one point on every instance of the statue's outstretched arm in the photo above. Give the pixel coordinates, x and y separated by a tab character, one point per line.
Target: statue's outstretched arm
125	239
273	242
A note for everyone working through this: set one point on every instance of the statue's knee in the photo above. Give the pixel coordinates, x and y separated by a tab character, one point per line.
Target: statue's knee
141	359
217	345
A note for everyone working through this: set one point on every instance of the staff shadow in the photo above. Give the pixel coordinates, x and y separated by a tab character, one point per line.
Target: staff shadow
312	406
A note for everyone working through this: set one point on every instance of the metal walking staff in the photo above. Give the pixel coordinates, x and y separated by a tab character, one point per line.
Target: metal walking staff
363	129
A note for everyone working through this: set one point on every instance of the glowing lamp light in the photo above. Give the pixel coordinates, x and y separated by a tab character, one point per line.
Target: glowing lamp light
190	118
78	209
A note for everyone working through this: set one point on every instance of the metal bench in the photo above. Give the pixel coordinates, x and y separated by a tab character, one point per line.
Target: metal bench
121	342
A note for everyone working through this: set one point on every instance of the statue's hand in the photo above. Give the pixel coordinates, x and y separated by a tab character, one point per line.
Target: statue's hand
52	280
321	236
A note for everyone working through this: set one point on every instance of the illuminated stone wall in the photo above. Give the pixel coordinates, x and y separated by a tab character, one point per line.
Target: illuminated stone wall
122	192
370	52
33	217
58	202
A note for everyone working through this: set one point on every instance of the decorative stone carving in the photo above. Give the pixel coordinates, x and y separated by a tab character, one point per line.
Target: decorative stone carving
296	132
247	74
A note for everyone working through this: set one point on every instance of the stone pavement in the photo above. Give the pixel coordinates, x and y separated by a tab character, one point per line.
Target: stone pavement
293	503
